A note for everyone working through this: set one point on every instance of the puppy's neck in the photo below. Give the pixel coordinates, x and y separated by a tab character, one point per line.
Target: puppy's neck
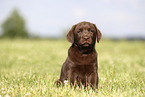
84	50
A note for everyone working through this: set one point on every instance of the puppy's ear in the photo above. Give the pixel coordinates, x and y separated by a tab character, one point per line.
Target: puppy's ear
98	32
70	35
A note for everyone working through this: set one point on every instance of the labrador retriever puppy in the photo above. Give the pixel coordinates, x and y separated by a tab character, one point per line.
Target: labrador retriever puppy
81	65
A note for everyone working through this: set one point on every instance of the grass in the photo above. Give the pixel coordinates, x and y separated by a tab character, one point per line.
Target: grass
30	67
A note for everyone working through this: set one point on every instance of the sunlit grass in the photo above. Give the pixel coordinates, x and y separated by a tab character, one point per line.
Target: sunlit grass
30	67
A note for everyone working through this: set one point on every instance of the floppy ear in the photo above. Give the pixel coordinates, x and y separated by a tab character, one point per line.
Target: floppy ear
70	35
98	32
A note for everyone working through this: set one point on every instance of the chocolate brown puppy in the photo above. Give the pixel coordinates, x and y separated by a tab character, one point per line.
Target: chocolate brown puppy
81	65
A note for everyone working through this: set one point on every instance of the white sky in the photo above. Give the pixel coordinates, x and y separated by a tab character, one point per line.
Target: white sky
115	18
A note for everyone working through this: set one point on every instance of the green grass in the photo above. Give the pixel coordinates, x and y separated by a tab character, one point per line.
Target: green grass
30	67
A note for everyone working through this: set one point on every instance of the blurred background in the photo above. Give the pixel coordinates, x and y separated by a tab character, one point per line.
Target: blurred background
117	19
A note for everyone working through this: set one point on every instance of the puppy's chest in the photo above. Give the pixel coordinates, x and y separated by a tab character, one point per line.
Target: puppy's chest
84	60
83	69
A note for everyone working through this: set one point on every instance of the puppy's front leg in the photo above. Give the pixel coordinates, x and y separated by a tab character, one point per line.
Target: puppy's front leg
72	77
93	81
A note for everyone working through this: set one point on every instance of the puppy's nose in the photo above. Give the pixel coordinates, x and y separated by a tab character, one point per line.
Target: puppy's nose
85	37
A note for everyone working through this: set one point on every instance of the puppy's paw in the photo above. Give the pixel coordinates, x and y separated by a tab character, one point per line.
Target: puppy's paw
58	83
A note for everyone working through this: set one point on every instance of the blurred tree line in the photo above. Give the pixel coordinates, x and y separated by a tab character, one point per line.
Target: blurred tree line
14	26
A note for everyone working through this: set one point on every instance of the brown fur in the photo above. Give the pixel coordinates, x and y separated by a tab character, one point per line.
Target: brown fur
81	64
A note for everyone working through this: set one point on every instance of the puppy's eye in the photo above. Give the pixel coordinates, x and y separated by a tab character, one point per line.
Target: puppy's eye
79	31
91	30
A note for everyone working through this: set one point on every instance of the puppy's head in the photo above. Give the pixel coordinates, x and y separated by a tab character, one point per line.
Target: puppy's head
84	34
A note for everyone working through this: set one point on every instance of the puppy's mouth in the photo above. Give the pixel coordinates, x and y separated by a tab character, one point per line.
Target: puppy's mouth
86	44
85	47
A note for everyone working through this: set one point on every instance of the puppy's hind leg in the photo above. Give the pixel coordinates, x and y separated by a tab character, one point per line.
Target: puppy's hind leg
58	83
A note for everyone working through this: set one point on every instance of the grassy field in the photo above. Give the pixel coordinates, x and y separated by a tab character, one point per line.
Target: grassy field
30	67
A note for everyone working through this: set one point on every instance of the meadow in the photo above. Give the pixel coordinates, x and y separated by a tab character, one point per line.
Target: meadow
28	68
